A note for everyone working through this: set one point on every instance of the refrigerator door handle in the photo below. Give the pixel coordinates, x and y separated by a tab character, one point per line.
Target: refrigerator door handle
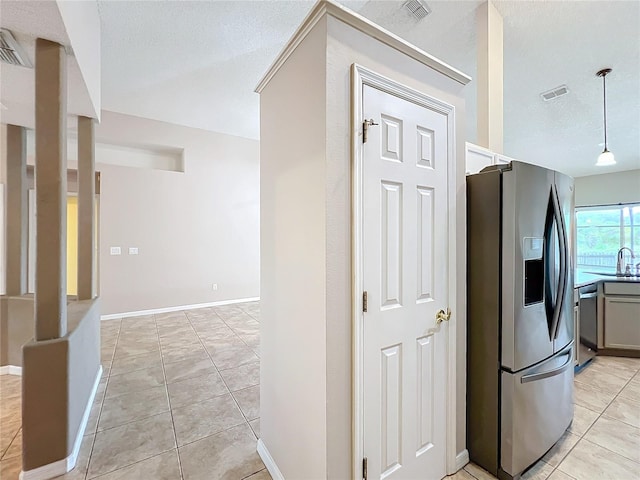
562	281
551	288
549	373
564	263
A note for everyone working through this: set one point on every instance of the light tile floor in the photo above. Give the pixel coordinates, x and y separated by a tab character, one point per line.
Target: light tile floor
179	399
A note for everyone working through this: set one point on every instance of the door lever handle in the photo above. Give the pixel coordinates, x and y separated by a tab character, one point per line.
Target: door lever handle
441	316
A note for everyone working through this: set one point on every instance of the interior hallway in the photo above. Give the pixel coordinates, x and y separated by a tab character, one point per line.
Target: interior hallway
179	399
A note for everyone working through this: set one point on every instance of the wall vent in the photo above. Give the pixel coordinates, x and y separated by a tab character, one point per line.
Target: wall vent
554	93
10	51
417	8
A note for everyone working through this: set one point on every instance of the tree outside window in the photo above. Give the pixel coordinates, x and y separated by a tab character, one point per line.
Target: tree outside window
602	231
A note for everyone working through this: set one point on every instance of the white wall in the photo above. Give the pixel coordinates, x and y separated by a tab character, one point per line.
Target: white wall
293	263
608	188
192	229
306	304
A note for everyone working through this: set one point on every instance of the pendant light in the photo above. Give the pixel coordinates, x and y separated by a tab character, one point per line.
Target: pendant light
606	157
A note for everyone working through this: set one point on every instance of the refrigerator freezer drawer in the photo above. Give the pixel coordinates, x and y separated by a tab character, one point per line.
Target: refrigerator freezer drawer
537	408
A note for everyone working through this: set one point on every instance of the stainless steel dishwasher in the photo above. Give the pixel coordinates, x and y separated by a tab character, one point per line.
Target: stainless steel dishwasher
588	304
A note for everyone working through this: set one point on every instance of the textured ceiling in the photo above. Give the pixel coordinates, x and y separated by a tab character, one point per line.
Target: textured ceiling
28	20
546	44
552	43
196	64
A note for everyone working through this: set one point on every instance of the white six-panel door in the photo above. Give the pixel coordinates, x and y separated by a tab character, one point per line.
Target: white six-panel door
405	274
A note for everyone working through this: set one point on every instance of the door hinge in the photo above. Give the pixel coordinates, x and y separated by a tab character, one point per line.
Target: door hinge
364	468
365	129
365	301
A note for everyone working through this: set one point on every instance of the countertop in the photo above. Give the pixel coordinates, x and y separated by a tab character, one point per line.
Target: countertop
582	278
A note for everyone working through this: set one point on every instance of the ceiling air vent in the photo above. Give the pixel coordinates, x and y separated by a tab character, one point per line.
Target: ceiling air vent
417	8
10	51
554	93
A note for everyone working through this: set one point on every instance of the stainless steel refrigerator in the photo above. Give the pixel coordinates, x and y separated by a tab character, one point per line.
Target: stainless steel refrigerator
519	315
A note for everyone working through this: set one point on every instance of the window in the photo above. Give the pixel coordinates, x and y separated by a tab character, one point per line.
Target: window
602	231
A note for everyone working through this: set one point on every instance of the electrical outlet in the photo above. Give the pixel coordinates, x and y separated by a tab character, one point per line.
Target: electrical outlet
115	251
133	250
214	286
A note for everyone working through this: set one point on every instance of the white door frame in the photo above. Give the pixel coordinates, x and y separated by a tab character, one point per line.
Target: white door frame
361	76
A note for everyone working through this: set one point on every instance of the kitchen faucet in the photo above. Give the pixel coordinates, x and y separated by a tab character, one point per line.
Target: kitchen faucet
620	262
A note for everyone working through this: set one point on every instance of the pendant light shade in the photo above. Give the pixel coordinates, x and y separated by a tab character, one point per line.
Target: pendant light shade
606	157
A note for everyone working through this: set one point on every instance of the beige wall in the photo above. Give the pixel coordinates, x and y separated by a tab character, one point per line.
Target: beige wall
16	327
3	152
608	188
192	229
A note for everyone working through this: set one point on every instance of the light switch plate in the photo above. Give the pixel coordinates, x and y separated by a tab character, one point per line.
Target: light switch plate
133	250
115	251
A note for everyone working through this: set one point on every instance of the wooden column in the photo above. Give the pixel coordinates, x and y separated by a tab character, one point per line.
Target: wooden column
51	191
86	195
490	78
16	246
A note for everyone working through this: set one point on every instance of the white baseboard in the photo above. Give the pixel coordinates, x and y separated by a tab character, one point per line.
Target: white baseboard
462	459
178	308
10	370
268	461
65	465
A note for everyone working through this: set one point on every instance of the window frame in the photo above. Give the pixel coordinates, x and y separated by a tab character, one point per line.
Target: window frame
621	226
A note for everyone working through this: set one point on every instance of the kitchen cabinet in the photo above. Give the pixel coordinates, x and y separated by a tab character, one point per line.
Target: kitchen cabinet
478	157
622	315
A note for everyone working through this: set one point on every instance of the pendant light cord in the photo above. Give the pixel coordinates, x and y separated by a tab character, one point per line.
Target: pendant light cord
604	88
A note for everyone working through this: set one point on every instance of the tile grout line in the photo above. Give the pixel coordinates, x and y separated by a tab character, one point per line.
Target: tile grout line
218	370
233	396
212	435
15	435
133	421
236	334
131	464
582	437
602	414
106	385
611	451
166	385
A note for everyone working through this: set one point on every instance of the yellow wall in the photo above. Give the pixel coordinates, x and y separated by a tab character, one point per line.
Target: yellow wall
72	245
